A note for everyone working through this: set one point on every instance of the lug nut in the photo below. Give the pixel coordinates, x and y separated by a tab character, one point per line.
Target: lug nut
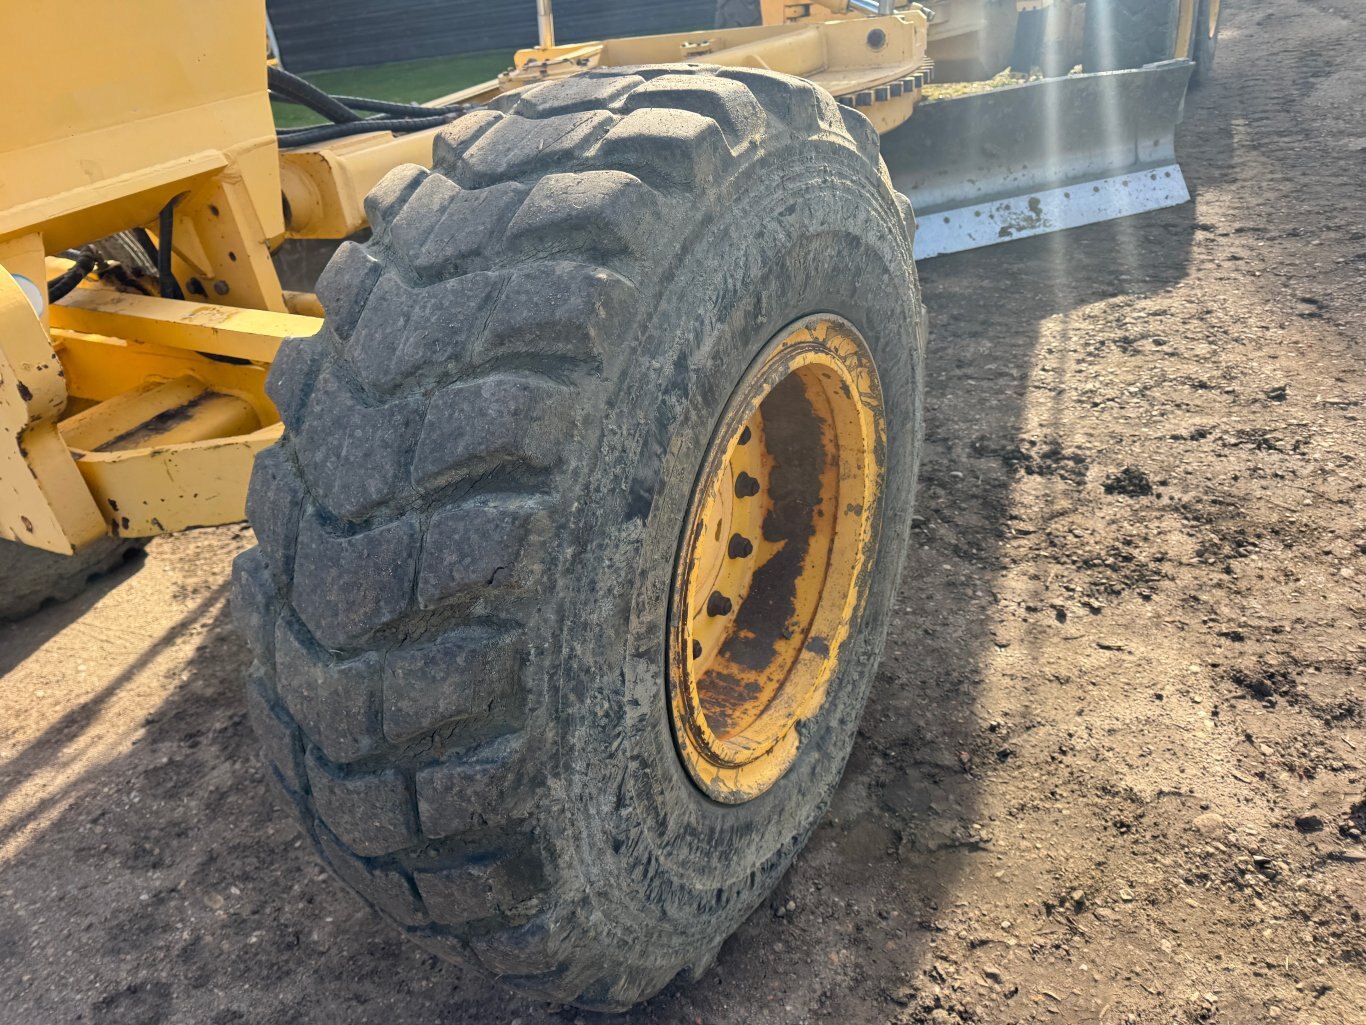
696	649
739	547
746	486
718	604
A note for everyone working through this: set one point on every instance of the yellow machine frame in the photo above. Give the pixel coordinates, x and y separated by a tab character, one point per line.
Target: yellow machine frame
114	419
132	414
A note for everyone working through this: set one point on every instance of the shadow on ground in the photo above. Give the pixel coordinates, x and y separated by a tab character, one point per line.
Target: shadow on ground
24	638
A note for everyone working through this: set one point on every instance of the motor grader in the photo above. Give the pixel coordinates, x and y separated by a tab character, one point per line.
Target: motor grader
581	488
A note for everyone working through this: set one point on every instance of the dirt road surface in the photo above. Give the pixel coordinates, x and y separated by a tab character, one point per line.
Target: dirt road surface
1114	767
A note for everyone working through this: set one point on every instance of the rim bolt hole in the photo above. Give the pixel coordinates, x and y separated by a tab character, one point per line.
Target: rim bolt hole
746	486
739	547
718	605
744	437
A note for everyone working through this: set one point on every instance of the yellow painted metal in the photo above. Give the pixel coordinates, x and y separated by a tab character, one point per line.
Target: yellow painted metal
202	327
92	151
99	369
325	186
304	303
165	437
221	242
161	413
153	490
1185	28
967	39
107	422
788	12
771	575
43	501
1189	26
148	107
847	58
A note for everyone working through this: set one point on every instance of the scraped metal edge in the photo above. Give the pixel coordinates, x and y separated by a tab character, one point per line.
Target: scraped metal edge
985	224
1043	156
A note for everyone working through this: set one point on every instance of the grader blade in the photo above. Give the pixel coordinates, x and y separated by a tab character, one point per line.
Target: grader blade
1040	157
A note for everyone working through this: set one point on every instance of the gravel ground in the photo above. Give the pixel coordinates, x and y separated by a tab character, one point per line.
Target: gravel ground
1114	768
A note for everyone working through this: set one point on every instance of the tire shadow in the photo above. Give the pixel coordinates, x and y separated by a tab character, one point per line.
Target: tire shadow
20	639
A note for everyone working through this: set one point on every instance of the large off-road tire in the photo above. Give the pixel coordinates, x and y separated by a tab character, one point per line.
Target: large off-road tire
31	578
737	14
468	535
1122	34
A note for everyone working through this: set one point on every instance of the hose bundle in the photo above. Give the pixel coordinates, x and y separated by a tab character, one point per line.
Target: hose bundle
342	112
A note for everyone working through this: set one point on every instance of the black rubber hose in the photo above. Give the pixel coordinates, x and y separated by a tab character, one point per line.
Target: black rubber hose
398	109
306	94
322	133
63	283
383	107
145	240
166	282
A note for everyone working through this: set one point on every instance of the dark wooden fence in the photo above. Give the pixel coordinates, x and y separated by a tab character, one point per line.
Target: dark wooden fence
317	34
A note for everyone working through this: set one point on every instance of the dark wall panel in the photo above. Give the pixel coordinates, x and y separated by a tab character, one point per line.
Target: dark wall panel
341	33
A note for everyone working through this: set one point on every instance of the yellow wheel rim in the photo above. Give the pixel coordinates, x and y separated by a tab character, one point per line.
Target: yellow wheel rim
769	581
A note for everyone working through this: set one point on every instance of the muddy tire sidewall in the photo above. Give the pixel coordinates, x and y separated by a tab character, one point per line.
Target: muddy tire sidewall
652	848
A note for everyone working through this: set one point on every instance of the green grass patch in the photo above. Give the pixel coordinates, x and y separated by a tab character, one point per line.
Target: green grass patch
405	82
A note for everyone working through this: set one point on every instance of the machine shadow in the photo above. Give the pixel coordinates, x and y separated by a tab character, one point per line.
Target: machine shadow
214	908
211	905
23	638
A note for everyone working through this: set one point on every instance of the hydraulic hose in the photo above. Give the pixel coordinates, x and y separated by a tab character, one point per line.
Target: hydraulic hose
170	287
295	89
322	133
398	109
63	283
341	111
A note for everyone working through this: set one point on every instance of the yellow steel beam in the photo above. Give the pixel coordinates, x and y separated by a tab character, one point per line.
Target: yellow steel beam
1185	29
176	324
151	491
159	413
325	188
99	369
876	64
305	303
108	421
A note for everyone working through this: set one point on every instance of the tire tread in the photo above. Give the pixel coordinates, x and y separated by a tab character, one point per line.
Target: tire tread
395	568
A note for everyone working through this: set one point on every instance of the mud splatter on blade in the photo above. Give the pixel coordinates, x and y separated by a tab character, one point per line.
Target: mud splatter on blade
1044	156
